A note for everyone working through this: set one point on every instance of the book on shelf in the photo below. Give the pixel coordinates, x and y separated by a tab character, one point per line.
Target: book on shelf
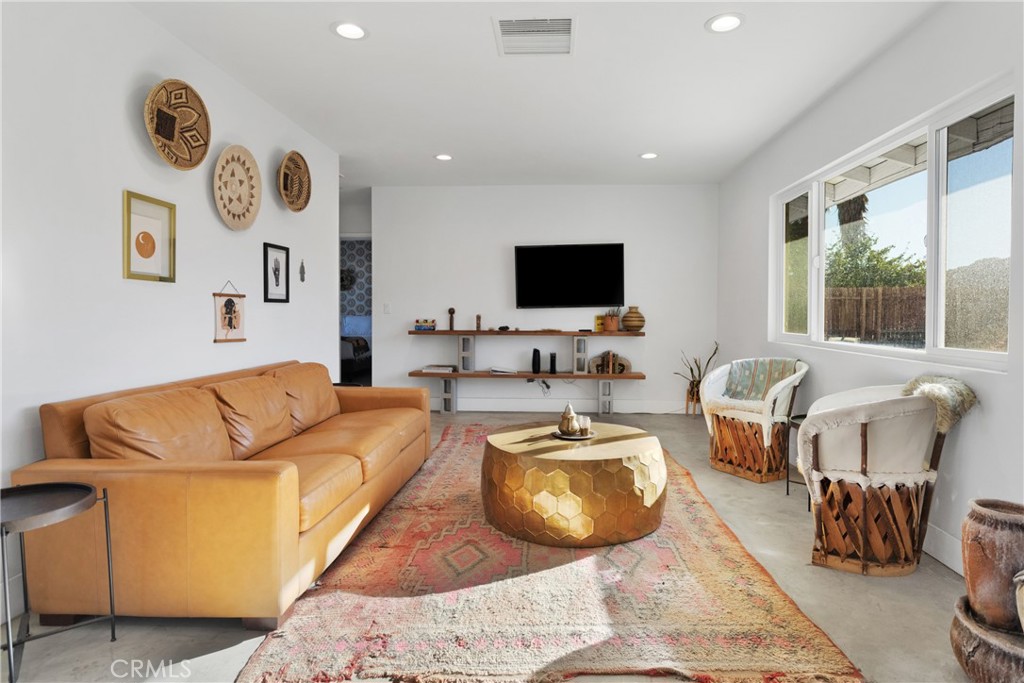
497	370
438	368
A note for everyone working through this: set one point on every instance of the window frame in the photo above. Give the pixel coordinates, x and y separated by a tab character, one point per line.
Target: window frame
933	124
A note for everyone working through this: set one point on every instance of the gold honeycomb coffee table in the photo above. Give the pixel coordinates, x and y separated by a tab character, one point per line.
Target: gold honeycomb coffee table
608	489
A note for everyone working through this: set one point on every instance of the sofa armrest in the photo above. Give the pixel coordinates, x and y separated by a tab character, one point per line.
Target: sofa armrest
196	539
354	399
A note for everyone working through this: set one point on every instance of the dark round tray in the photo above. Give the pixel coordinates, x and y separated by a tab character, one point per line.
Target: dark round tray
23	508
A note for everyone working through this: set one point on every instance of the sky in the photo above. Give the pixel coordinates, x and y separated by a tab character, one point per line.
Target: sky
978	209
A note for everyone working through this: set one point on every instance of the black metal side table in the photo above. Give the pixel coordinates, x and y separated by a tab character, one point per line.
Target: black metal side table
794	423
33	506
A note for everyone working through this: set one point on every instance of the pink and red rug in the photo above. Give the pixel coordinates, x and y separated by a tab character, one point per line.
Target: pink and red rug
429	592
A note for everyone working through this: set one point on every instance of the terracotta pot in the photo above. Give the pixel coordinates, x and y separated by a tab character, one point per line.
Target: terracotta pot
692	396
633	320
992	539
1018	580
985	654
611	323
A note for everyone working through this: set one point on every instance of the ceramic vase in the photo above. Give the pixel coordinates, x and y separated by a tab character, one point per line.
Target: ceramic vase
1018	581
569	424
992	539
633	320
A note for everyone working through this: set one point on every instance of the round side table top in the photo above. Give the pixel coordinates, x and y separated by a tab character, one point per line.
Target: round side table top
23	508
611	441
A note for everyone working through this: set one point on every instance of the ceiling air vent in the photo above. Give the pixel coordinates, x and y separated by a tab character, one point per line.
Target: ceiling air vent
534	36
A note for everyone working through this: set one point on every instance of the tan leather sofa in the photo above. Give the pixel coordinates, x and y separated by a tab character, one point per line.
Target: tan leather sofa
229	494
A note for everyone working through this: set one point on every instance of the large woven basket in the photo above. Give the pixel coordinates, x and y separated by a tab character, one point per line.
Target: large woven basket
237	187
293	181
177	123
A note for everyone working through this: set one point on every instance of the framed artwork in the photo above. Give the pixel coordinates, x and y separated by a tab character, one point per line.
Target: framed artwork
275	273
228	318
148	243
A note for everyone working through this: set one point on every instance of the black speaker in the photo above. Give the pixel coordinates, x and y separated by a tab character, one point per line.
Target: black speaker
536	361
553	370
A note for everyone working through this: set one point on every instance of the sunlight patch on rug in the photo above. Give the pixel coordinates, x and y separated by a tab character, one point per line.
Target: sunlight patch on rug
429	592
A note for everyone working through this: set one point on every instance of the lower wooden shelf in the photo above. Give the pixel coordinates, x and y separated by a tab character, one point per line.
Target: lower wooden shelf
525	374
449	384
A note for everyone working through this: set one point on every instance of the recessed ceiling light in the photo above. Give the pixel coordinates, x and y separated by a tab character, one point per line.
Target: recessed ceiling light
443	157
648	155
723	23
350	31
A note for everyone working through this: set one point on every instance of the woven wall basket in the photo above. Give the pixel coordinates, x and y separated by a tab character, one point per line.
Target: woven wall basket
177	123
293	181
237	188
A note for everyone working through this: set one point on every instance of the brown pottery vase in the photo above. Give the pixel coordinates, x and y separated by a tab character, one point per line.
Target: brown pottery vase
992	539
633	320
1018	581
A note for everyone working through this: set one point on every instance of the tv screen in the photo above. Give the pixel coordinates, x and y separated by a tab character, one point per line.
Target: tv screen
569	276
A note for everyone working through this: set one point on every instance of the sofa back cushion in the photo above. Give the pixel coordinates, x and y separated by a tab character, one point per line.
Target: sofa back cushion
752	378
255	412
311	397
178	424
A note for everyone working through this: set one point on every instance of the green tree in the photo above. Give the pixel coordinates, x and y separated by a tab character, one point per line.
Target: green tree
859	262
856	260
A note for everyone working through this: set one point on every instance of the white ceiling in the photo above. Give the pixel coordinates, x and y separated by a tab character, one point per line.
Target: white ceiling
643	77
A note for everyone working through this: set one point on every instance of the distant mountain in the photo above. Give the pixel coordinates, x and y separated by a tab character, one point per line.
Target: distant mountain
986	272
978	305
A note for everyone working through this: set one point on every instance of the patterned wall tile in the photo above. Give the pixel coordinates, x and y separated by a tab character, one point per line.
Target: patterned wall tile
356	296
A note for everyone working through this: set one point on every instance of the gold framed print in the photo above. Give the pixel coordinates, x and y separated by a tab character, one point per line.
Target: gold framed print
148	238
228	318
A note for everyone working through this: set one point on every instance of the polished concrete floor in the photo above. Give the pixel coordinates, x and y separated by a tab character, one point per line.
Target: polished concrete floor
894	629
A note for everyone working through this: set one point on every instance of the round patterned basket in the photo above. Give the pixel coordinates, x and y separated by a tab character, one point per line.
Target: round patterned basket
293	181
177	123
237	188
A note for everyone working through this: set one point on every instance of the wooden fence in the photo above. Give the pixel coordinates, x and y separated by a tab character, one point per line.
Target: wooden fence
893	316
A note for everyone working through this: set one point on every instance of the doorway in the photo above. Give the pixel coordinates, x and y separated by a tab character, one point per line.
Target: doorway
355	309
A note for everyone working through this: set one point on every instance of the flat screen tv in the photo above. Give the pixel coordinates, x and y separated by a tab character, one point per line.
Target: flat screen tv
569	276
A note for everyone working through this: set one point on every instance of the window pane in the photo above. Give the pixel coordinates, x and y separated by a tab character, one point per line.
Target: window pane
795	285
875	229
977	224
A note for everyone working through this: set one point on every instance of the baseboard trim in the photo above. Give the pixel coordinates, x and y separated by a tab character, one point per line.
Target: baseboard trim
945	548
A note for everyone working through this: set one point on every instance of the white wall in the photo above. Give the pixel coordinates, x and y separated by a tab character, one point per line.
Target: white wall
953	50
354	215
436	247
75	78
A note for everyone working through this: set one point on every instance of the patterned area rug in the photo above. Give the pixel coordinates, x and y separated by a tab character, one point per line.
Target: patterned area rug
429	592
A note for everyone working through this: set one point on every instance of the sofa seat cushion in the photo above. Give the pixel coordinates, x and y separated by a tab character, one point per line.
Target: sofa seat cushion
179	424
325	480
376	437
409	421
255	411
311	397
